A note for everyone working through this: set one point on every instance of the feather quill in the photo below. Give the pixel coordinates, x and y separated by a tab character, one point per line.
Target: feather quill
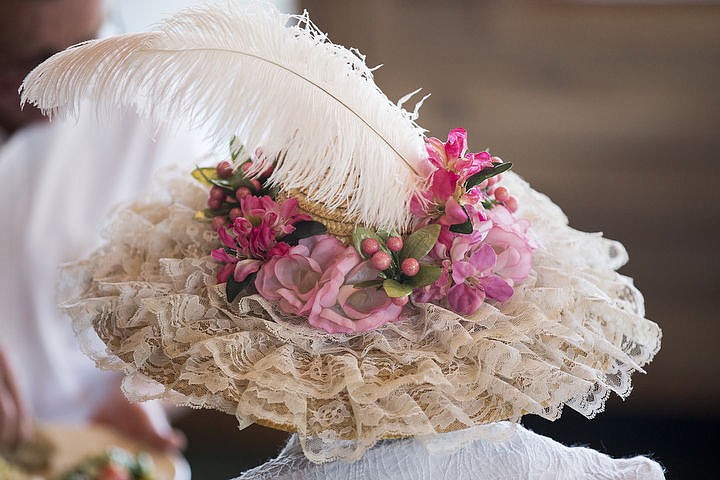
273	80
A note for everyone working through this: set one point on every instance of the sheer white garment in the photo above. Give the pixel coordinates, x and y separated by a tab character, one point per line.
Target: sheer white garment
505	451
59	183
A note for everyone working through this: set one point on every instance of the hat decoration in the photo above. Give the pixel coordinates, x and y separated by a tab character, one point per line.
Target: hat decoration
341	275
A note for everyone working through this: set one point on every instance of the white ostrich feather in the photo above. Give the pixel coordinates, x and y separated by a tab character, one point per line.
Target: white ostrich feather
274	81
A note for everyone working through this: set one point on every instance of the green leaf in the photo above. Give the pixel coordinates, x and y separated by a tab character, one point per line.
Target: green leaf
233	288
427	275
209	176
225	185
207	214
488	204
270	191
420	242
145	466
361	233
236	148
466	227
205	175
486	173
304	230
368	284
202	216
395	289
385	234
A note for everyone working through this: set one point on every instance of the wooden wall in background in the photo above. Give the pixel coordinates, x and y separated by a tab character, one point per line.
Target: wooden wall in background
614	112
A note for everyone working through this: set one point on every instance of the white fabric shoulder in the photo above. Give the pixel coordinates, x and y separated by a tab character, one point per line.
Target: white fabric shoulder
521	455
62	180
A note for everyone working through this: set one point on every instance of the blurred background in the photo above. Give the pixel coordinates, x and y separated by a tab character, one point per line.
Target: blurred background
612	108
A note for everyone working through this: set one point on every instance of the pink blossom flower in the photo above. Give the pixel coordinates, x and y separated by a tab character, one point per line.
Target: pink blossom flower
452	155
312	280
464	299
451	166
454	213
470	269
437	291
481	227
456	144
472	274
513	244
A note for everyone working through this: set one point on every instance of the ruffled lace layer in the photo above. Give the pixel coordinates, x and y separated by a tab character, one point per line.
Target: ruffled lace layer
573	332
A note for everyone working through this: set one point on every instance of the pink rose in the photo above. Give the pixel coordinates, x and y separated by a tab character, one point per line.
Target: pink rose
291	280
312	280
294	279
342	308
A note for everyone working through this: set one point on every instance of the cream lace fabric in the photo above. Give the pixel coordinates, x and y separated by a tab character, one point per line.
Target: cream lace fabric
573	332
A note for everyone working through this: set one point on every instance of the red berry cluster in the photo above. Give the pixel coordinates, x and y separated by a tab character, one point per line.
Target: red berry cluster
381	260
231	186
501	194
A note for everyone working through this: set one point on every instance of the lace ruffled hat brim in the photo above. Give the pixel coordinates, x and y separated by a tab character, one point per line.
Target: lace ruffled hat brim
573	332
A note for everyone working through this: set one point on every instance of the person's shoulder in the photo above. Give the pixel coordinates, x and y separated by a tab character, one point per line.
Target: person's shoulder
123	133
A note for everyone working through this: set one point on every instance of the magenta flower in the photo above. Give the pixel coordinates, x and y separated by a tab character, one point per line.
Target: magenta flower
268	220
513	244
450	166
456	144
255	236
277	217
238	267
474	279
452	155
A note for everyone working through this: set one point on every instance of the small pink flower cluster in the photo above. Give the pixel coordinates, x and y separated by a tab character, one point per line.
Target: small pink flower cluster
254	236
450	166
313	279
496	253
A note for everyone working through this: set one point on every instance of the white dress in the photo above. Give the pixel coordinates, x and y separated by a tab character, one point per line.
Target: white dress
507	451
59	183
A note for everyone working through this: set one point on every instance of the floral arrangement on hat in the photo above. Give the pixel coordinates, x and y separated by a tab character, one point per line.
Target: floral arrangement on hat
464	245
